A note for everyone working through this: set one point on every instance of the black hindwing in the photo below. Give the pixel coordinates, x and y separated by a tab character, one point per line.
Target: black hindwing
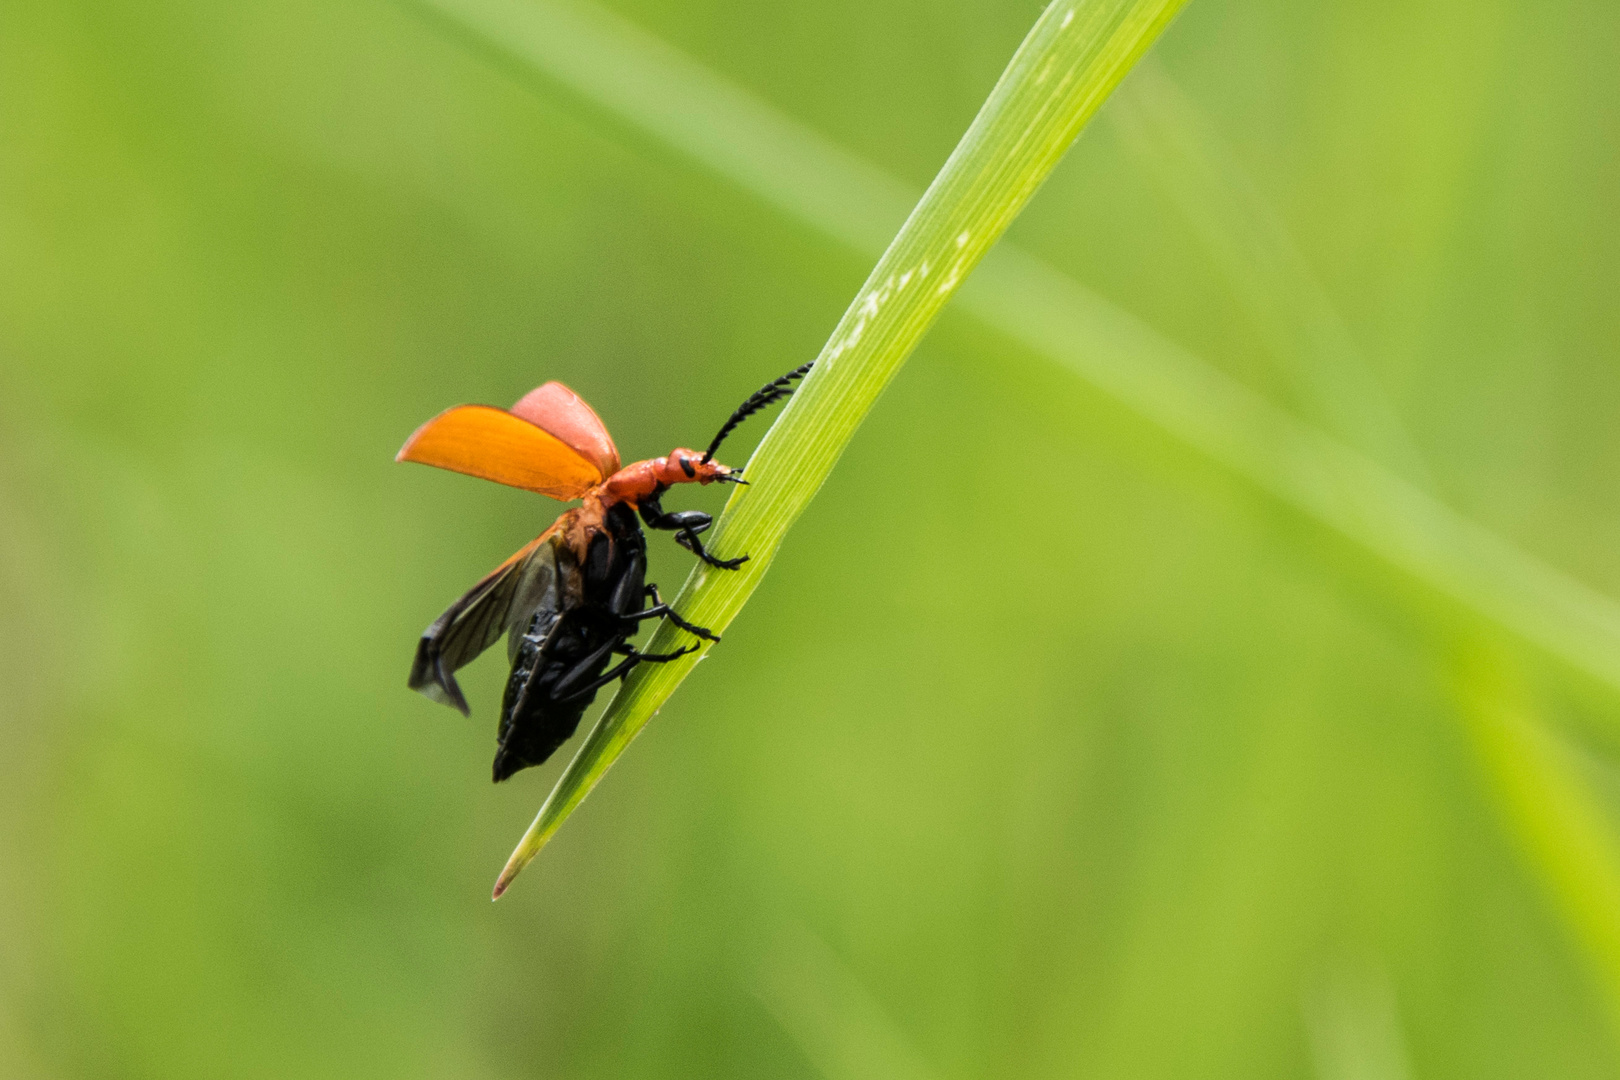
502	602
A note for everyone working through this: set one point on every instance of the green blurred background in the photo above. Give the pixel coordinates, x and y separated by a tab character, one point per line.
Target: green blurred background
1048	747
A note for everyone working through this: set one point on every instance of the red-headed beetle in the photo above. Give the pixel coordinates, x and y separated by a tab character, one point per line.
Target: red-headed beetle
572	598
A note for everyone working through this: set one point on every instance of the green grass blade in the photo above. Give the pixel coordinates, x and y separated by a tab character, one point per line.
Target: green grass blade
614	66
1073	57
1305	337
825	1009
1299	463
1549	808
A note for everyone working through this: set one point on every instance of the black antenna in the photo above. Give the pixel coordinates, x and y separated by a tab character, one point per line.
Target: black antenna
769	394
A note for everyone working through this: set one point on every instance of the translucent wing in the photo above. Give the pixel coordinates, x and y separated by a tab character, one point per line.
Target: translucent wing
491	443
564	413
505	600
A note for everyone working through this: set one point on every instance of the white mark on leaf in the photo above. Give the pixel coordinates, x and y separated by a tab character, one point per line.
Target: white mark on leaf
866	311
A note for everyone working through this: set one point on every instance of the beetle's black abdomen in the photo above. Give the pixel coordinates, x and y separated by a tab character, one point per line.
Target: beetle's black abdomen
530	735
564	651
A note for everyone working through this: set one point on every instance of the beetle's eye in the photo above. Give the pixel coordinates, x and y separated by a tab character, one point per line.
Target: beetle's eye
686	467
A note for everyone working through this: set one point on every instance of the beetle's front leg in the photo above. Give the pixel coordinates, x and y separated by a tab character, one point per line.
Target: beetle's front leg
688	539
686	524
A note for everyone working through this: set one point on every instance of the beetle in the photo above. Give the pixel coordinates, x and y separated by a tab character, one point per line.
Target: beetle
570	600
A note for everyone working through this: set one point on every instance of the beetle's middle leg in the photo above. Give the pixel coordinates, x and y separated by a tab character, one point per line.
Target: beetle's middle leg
686	524
661	609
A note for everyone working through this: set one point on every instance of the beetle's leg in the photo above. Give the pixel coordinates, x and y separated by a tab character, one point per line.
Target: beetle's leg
664	658
627	624
621	669
687	538
586	665
686	524
627	649
690	628
662	610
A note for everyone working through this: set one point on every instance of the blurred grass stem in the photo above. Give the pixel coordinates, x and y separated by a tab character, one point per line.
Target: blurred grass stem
833	1018
1305	337
1549	809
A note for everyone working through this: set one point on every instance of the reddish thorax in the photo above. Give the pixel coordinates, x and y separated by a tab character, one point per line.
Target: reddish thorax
632	485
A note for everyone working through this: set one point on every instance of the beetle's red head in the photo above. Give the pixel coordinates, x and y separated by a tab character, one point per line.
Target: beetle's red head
684	466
